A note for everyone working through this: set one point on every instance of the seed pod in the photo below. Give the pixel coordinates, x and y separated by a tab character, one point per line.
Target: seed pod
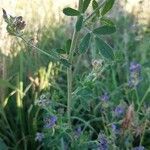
127	121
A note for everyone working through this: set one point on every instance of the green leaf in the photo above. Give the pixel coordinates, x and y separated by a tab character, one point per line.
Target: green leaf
104	48
5	83
79	23
95	5
108	5
60	51
85	5
84	43
104	30
68	45
107	21
71	12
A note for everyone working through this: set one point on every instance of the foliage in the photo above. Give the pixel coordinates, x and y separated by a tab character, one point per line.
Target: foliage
98	96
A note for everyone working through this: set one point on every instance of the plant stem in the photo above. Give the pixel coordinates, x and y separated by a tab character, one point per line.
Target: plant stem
145	125
20	97
69	69
137	97
30	44
69	76
143	99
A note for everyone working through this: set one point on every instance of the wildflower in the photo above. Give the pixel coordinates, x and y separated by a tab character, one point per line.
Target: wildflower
119	110
139	148
78	131
135	67
115	129
39	136
103	143
135	74
50	121
105	97
43	101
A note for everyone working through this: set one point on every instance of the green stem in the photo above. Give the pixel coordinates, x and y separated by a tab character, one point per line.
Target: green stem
137	97
143	132
126	54
20	98
69	76
143	99
114	77
53	55
69	69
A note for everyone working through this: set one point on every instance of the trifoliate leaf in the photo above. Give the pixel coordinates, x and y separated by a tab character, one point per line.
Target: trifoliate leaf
104	48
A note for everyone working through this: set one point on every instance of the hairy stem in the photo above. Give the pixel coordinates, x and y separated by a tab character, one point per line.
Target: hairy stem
70	76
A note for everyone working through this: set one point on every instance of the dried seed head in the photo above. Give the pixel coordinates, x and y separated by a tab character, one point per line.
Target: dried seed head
19	23
14	24
127	121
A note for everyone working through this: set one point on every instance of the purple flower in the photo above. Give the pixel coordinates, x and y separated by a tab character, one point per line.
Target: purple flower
105	97
139	148
115	129
135	74
119	110
135	67
39	136
78	131
103	143
50	121
43	101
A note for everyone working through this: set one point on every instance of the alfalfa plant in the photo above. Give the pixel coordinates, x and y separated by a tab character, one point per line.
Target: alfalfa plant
91	37
15	25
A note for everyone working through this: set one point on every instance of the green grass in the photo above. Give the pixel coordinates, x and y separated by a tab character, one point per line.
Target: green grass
78	104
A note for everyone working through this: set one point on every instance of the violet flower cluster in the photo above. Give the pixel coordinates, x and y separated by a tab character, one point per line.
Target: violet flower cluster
119	111
135	74
43	101
39	136
105	97
103	142
50	121
139	148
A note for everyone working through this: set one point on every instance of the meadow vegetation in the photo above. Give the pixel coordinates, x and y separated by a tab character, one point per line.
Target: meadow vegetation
78	83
